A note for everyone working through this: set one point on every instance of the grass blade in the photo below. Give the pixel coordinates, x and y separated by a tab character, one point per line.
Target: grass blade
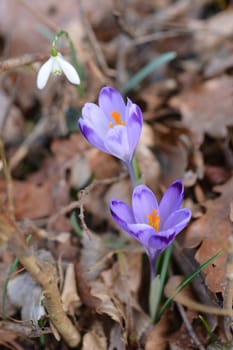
147	70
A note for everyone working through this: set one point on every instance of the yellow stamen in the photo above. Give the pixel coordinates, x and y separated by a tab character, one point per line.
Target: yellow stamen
154	219
117	119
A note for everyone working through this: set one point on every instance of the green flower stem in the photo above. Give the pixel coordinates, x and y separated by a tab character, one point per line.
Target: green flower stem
73	56
134	172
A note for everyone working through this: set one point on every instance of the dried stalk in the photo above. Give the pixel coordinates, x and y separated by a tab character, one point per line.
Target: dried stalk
44	274
7	174
15	62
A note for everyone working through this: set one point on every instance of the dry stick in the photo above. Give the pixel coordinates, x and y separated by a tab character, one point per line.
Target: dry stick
8	180
94	43
190	328
194	305
43	273
80	203
15	62
85	192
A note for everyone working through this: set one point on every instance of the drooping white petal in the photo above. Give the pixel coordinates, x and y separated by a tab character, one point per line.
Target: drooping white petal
56	68
43	74
69	71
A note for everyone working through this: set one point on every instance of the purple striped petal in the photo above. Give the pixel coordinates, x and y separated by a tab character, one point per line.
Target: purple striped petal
160	241
178	220
116	143
143	202
121	213
171	200
110	100
95	117
91	136
142	233
134	122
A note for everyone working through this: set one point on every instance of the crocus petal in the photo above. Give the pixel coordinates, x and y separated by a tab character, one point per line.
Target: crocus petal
143	202
43	74
110	100
134	122
91	136
160	241
96	117
142	233
94	125
69	71
178	220
171	200
121	213
116	142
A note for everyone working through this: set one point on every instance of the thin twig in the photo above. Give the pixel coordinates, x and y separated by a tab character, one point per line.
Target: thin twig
80	202
15	62
190	328
94	43
8	177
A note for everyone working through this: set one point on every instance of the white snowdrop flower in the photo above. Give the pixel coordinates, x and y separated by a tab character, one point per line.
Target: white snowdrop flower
56	65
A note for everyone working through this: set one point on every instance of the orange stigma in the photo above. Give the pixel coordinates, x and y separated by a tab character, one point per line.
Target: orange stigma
154	219
117	119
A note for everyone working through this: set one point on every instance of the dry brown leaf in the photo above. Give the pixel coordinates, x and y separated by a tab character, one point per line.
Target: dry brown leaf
157	337
95	339
202	110
214	31
28	199
84	290
124	281
94	256
70	298
109	305
7	340
213	230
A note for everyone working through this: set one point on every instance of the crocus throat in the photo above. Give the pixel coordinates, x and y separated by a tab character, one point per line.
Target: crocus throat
154	219
117	119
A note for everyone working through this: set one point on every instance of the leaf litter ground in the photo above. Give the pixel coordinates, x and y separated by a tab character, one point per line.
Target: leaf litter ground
103	276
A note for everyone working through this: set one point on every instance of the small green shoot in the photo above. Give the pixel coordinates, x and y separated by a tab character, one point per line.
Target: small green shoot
75	225
207	328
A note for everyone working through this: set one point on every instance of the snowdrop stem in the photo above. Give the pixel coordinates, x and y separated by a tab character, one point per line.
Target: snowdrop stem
73	54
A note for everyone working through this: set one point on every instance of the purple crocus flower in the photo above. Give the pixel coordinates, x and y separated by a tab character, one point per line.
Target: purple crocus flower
154	225
112	126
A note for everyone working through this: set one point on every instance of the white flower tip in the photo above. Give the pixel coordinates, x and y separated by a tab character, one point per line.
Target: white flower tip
56	65
69	71
43	73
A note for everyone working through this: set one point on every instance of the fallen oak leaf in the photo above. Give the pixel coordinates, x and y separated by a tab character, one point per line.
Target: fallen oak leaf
201	110
212	231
